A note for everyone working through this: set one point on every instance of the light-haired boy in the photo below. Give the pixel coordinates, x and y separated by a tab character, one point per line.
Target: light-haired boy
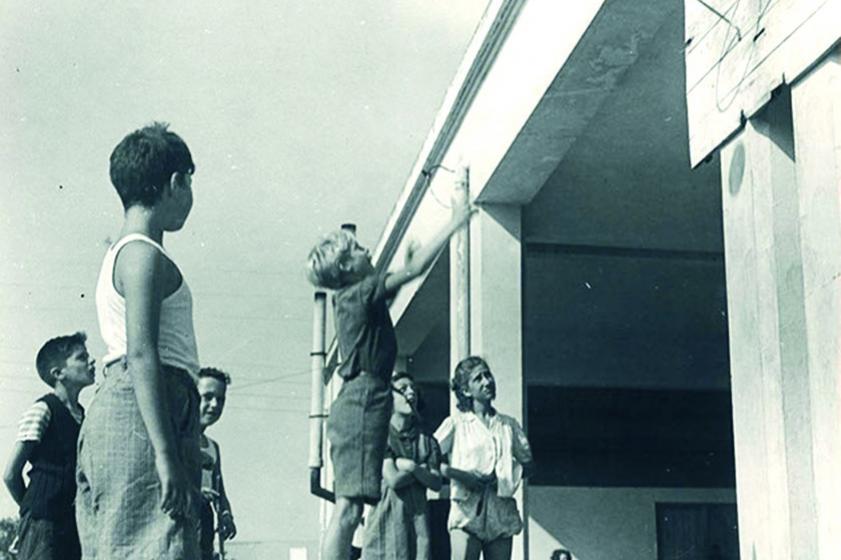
47	440
359	417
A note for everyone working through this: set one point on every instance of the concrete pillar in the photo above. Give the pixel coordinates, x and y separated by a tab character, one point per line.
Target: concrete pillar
816	104
496	313
784	343
459	281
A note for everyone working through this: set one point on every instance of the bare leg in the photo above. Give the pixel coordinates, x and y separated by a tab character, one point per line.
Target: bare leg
343	523
464	546
497	549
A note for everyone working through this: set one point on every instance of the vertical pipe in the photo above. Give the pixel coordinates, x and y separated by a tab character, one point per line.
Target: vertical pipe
460	276
317	357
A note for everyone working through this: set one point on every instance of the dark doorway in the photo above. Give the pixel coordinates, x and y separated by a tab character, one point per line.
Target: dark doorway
697	532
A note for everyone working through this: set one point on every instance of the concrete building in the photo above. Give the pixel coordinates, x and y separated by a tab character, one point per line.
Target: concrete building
654	272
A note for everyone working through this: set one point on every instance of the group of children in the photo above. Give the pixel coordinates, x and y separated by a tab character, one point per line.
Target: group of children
134	476
379	451
125	476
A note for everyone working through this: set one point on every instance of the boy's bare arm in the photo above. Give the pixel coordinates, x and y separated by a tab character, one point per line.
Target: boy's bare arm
394	477
227	527
469	479
139	268
430	478
13	475
419	261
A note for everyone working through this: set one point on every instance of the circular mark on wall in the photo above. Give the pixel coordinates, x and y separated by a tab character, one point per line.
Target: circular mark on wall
737	169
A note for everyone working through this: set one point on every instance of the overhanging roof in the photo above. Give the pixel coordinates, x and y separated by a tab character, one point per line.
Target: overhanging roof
512	61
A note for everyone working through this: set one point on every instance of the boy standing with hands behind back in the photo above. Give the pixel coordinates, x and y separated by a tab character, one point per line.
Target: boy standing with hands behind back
358	425
47	440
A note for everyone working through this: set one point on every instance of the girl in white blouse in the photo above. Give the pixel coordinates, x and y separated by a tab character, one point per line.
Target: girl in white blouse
488	456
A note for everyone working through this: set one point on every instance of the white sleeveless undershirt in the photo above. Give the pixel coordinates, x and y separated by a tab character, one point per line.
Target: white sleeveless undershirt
176	336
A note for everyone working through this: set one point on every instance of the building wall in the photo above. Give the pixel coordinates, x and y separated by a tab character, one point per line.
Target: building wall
595	317
604	523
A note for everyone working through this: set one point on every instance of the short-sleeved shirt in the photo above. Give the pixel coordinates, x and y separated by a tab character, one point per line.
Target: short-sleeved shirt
413	443
364	329
34	422
500	448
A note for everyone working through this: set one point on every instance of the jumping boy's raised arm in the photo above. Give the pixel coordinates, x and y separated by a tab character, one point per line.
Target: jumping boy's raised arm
418	261
139	270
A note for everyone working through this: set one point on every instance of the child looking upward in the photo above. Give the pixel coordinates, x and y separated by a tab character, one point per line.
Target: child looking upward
398	526
47	440
358	425
488	455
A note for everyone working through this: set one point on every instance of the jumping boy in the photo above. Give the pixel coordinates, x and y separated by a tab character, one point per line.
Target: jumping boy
358	425
213	386
47	440
139	463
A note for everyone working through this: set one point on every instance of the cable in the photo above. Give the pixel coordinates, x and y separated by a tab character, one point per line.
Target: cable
269	380
268	409
428	173
723	17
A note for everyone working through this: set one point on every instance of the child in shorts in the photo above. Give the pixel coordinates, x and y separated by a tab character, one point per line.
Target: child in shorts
488	456
47	440
358	425
398	526
139	464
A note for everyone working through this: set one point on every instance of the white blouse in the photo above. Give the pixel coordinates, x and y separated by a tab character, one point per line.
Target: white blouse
501	448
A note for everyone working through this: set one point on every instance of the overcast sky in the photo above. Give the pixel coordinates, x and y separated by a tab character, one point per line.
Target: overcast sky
300	115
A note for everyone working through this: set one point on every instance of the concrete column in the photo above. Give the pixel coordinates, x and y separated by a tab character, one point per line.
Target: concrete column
459	282
784	304
816	104
496	313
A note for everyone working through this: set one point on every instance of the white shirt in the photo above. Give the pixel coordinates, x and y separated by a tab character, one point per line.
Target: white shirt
176	337
500	448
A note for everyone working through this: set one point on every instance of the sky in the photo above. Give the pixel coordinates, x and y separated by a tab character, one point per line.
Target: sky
300	116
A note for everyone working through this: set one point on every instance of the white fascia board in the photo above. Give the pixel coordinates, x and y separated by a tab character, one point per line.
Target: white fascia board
517	50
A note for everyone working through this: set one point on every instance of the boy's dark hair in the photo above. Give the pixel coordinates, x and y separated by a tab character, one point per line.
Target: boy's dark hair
397	376
460	379
216	374
144	161
54	353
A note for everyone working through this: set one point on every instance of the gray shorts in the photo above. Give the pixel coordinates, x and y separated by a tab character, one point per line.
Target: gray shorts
358	431
485	515
118	491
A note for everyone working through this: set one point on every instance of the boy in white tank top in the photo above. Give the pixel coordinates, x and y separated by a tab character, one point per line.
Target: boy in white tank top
139	464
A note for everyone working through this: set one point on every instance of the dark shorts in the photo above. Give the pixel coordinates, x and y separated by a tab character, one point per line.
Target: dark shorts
45	539
118	491
358	430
